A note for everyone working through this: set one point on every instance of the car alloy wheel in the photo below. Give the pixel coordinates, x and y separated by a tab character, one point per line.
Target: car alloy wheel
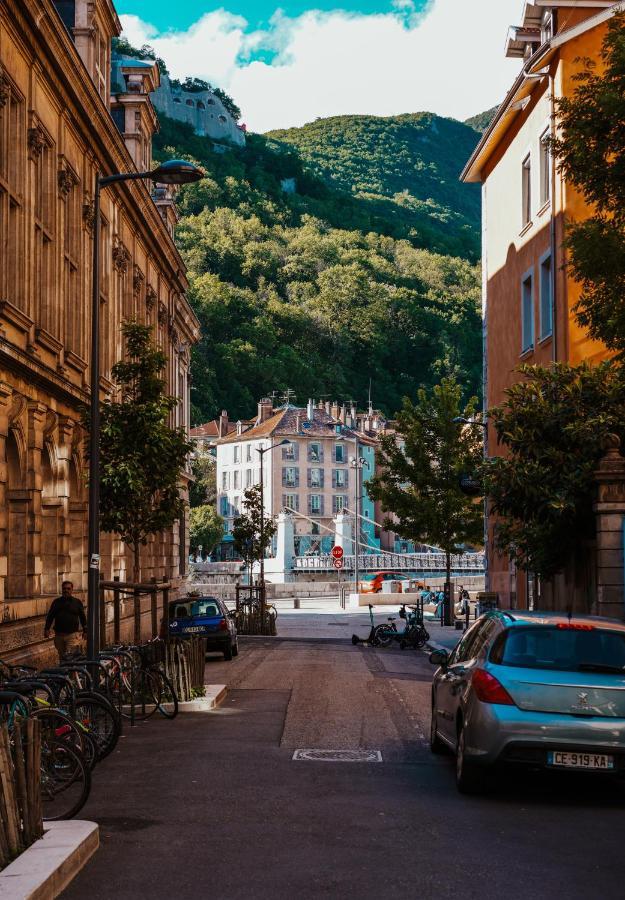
469	780
436	745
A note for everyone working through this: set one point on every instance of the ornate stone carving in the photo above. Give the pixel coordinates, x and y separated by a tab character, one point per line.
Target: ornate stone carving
174	336
121	258
162	314
36	141
51	422
5	87
150	297
88	214
17	407
138	279
66	181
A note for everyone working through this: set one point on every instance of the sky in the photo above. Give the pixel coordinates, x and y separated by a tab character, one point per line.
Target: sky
291	63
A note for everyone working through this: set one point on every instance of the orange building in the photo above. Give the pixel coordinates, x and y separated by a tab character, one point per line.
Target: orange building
527	295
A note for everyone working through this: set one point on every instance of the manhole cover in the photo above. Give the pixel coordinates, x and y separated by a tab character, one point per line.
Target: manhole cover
338	755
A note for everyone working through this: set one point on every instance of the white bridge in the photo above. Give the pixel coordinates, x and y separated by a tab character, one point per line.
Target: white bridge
467	563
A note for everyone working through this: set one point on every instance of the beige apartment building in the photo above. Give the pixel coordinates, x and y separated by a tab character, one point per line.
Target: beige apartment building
59	126
311	476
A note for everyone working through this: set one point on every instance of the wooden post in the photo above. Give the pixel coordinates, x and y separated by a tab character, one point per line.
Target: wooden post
137	614
166	610
153	608
102	638
116	614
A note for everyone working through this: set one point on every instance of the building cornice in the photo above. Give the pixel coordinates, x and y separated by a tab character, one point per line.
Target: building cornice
104	139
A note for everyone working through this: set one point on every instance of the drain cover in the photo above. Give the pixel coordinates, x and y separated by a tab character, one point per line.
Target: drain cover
338	755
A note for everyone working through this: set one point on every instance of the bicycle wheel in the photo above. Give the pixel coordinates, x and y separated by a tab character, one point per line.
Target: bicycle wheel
148	692
383	636
65	781
168	703
98	718
58	725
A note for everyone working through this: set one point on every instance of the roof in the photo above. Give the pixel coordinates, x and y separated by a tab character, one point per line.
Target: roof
517	617
285	422
211	429
522	87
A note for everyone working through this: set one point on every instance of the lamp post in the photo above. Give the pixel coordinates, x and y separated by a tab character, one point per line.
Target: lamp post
174	171
261	451
462	420
357	463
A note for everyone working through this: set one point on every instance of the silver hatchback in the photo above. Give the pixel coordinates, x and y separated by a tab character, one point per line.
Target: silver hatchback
540	690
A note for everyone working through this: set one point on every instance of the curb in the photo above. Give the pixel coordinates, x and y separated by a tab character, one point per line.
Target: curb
44	870
213	695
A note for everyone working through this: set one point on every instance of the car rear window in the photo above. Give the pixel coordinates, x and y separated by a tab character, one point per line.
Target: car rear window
205	608
568	648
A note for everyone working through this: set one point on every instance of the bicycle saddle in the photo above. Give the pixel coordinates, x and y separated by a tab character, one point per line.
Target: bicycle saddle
392	618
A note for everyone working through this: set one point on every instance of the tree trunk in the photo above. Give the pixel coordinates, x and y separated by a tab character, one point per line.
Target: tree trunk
136	575
448	598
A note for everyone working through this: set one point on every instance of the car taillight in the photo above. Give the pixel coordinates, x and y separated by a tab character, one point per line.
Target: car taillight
223	625
489	690
574	626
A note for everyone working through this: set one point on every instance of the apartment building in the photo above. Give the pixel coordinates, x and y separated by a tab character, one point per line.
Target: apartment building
527	293
312	475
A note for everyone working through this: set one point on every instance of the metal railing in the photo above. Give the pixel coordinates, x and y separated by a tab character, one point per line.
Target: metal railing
408	562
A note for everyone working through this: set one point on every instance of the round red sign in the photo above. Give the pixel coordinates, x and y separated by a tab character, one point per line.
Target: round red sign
338	563
337	552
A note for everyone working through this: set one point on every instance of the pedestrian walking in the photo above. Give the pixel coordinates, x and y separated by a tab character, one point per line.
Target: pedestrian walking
67	617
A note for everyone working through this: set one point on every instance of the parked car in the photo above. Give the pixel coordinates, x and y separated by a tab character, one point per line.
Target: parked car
206	617
372	584
539	690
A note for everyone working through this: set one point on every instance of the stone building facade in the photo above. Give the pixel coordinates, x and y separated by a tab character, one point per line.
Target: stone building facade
201	109
56	133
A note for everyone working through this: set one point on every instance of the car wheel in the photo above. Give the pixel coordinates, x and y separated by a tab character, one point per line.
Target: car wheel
235	649
436	745
228	652
469	779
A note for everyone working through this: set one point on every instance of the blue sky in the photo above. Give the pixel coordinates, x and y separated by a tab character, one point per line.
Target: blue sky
289	64
166	15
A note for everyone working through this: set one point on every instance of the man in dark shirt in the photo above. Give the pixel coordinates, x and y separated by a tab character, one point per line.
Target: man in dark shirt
67	614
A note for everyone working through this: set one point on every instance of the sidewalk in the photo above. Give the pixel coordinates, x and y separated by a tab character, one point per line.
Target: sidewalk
442	637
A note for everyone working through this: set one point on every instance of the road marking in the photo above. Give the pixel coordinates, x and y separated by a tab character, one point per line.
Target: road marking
338	756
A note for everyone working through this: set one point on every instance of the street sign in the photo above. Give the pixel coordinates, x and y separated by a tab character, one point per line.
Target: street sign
337	552
338	563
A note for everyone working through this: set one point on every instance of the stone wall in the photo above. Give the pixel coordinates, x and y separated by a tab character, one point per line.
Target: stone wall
202	109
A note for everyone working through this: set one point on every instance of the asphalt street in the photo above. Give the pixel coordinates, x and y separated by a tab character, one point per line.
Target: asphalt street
214	805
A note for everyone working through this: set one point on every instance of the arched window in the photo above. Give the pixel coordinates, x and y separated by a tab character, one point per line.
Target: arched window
50	526
177	100
190	103
222	119
200	105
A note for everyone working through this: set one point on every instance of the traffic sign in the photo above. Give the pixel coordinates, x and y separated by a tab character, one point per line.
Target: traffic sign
337	552
338	563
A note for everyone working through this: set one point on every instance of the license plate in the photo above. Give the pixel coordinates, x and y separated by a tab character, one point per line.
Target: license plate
191	629
572	760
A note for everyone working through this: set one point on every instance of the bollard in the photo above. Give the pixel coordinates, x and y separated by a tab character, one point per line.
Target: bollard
467	614
296	603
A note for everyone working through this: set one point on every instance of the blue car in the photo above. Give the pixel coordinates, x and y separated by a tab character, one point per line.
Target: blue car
206	617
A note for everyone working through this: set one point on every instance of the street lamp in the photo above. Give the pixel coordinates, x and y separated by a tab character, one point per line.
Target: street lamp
173	171
261	451
357	464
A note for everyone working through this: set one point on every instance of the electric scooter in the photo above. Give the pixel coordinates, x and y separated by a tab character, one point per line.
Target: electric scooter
371	638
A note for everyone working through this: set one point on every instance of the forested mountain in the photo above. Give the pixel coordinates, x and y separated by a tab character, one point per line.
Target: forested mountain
413	161
324	289
481	121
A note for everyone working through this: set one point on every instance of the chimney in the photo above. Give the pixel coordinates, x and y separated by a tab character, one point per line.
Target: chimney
239	427
335	410
223	423
310	410
298	423
328	408
342	414
265	409
353	413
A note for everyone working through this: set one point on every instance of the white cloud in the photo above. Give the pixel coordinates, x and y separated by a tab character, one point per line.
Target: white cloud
449	61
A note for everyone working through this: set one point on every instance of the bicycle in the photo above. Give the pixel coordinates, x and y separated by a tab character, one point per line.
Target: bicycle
414	633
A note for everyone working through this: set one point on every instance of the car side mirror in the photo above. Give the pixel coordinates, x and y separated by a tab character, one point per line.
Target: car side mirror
439	658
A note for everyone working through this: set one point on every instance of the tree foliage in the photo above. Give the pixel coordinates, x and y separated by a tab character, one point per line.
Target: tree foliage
142	456
421	470
301	292
590	149
206	528
553	426
251	536
203	488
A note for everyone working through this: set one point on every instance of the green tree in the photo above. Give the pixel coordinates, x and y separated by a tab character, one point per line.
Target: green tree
203	488
553	425
207	528
590	148
229	103
251	537
142	456
421	468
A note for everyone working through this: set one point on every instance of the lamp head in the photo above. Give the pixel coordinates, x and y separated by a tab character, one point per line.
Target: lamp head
177	171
